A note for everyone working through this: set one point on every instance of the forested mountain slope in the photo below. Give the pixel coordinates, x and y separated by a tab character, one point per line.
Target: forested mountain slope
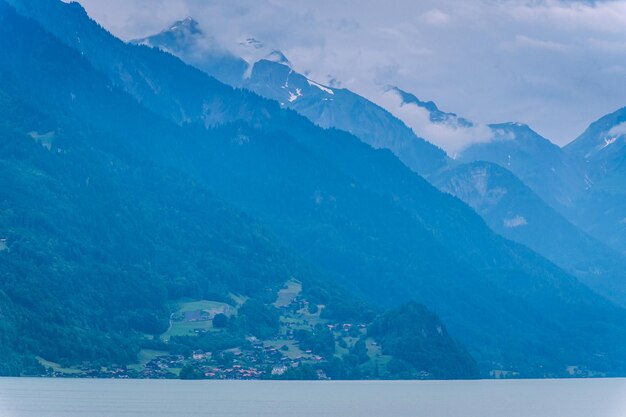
358	214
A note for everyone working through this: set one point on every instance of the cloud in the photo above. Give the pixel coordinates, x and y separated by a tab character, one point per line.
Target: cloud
555	65
617	47
600	16
522	41
435	17
450	136
618	130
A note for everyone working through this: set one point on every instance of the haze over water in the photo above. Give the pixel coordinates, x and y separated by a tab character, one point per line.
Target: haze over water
142	398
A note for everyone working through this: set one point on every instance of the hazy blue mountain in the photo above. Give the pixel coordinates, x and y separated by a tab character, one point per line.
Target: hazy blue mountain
273	77
602	146
435	114
514	211
358	214
185	38
98	239
555	176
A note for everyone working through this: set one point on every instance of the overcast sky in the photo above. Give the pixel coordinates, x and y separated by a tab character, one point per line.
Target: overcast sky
556	65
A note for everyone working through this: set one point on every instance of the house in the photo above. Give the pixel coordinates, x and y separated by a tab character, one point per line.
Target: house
322	375
279	370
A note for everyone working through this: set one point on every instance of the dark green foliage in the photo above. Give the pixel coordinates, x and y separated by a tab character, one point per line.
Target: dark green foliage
359	351
220	321
358	214
320	341
99	238
258	319
339	304
225	359
420	345
189	372
349	367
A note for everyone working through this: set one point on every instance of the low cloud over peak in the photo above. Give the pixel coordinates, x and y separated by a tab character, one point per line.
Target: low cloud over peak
556	65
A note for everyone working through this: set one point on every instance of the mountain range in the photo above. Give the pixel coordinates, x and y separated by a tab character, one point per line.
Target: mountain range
273	77
556	177
522	184
135	179
583	181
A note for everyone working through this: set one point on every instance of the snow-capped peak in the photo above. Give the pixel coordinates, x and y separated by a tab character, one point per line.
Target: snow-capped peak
189	25
178	35
278	57
253	51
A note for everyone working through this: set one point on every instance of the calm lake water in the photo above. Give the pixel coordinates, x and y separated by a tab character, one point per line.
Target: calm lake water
25	397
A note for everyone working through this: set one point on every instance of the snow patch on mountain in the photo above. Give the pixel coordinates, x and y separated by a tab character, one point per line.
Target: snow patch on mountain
293	97
253	50
609	141
514	222
321	87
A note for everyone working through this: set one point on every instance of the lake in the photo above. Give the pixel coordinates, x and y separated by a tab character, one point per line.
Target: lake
30	397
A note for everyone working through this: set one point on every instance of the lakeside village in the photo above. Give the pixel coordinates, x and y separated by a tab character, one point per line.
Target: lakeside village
272	358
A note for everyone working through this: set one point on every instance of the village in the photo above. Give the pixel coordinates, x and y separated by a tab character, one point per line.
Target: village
272	358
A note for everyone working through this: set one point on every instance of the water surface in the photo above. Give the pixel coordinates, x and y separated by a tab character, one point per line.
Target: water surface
26	397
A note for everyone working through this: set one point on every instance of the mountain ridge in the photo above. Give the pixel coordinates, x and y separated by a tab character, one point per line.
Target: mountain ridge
326	106
367	219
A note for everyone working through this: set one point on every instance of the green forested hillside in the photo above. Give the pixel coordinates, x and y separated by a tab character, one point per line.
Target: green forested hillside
98	239
95	248
145	120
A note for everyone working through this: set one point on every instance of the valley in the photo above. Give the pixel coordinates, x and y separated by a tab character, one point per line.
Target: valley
169	214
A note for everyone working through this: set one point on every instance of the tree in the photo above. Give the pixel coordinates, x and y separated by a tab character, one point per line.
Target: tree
220	321
189	372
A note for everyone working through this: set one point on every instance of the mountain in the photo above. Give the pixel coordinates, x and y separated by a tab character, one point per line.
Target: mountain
357	214
435	115
99	240
602	144
97	237
555	176
514	211
185	38
272	76
519	213
602	147
582	181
